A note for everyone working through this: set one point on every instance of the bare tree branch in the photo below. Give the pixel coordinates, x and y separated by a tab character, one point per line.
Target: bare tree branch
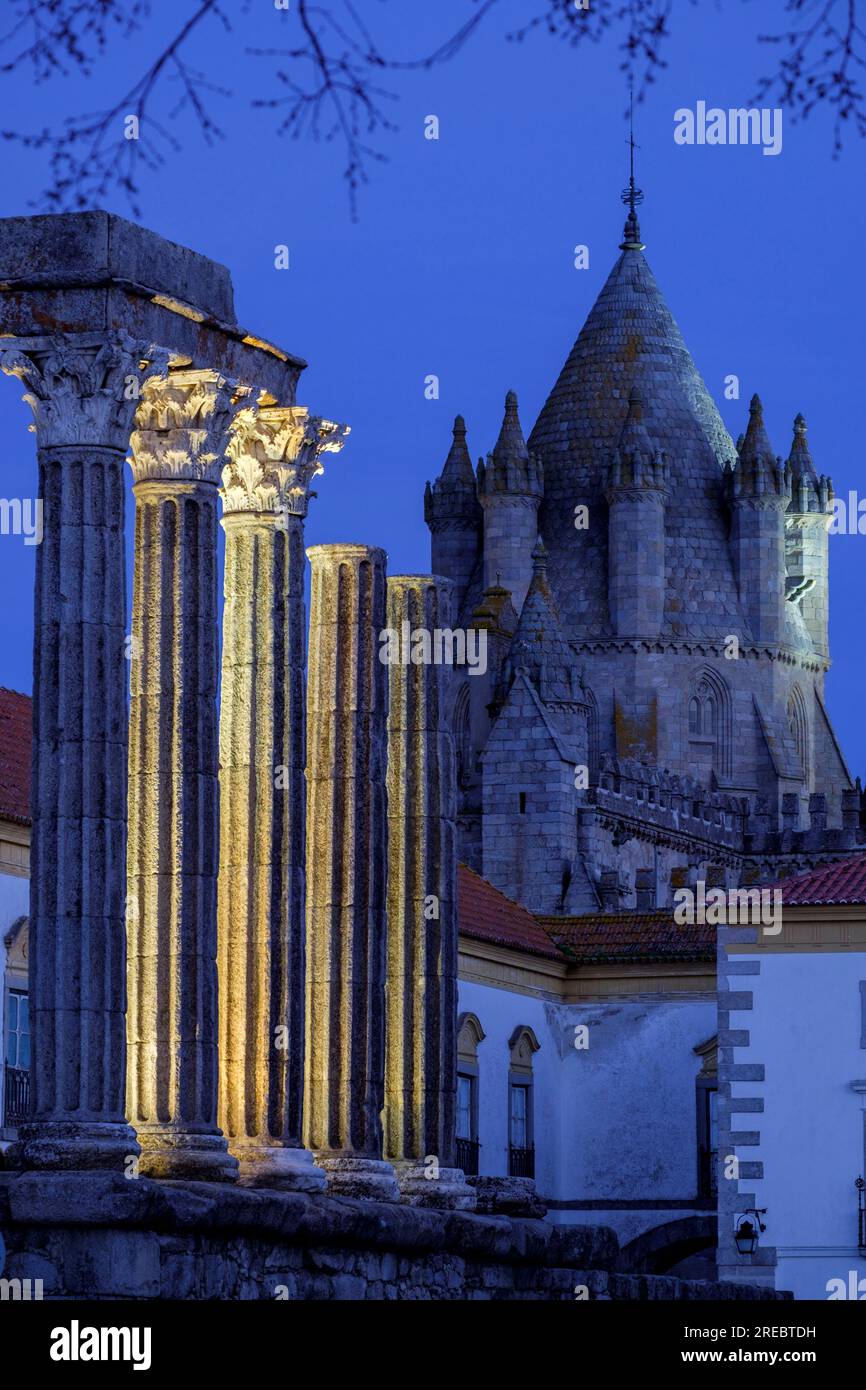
820	65
330	81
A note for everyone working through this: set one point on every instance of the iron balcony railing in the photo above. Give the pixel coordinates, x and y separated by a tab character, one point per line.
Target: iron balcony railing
16	1105
708	1175
521	1161
467	1156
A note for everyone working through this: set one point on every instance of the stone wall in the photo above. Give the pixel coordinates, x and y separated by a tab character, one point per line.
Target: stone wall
103	1236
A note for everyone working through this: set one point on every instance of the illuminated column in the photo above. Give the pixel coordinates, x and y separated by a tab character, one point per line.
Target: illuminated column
178	448
346	867
83	392
421	977
274	455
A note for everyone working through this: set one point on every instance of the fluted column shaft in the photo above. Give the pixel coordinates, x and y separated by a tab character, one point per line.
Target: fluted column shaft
274	456
346	868
421	978
178	450
83	393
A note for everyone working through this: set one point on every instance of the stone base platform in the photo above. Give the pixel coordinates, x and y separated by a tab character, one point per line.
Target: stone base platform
107	1237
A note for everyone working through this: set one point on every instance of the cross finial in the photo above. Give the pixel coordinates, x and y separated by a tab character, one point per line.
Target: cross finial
631	196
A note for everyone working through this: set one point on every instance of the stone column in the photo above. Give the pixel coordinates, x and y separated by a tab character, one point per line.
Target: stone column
83	392
274	455
346	868
421	977
178	448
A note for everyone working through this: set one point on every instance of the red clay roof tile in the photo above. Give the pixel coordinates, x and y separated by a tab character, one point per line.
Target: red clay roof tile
15	740
841	882
485	914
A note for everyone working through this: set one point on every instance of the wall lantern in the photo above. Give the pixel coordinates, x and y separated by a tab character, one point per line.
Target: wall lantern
747	1232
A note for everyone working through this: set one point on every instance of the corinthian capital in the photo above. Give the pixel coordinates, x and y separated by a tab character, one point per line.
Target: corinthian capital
273	455
182	426
82	389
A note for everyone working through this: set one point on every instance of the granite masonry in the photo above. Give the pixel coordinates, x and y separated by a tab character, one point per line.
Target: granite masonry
276	936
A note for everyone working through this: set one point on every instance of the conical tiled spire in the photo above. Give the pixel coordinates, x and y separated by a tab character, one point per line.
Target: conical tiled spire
458	465
511	443
810	492
800	457
453	496
539	645
758	471
756	443
511	467
634	438
637	461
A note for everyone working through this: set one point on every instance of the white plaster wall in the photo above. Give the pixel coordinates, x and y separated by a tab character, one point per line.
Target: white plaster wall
14	900
805	1028
630	1117
615	1121
499	1013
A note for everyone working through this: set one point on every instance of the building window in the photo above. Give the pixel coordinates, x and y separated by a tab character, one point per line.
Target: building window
16	1090
18	1029
709	725
469	1035
707	1095
521	1128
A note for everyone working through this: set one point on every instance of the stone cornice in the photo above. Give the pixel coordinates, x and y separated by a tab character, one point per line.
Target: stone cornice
273	455
182	426
807	661
806	929
519	972
83	389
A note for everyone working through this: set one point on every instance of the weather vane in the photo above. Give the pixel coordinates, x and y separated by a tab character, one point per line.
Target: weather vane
632	195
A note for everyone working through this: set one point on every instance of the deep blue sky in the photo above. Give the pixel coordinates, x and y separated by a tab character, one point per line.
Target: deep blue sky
462	261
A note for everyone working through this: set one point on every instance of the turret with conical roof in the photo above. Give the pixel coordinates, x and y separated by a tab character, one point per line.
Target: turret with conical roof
453	514
759	491
637	490
510	488
806	539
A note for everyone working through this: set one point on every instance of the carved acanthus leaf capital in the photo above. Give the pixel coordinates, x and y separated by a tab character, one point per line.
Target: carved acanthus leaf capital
182	426
83	389
273	455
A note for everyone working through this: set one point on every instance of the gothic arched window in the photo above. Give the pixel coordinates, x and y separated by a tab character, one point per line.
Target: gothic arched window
709	711
592	731
462	736
799	726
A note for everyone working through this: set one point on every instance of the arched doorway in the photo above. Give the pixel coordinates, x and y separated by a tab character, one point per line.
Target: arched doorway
685	1247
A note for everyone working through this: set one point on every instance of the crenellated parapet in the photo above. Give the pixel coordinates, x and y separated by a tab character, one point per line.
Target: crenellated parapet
664	801
638	476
